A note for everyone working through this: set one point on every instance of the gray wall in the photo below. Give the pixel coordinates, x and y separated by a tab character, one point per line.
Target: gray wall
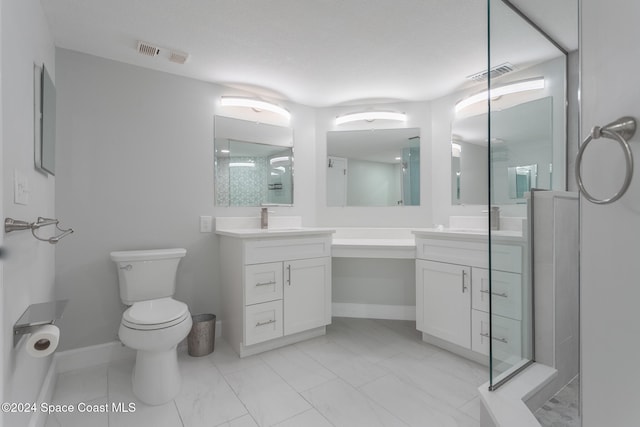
609	244
135	162
374	281
28	266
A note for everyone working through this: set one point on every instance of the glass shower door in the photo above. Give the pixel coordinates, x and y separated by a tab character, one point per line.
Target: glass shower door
527	134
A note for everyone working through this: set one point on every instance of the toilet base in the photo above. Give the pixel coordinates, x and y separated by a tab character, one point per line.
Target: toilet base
156	376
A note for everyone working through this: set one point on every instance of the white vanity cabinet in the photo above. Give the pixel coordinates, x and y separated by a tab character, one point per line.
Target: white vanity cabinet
276	288
452	293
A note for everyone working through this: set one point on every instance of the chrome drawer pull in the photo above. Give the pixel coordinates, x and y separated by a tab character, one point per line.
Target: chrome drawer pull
273	282
268	322
503	294
502	340
464	285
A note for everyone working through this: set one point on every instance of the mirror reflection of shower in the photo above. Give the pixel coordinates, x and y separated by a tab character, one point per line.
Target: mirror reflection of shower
521	153
378	167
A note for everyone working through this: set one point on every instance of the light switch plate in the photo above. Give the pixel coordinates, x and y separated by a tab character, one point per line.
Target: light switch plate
206	224
20	188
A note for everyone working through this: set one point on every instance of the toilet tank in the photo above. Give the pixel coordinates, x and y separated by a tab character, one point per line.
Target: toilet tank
147	274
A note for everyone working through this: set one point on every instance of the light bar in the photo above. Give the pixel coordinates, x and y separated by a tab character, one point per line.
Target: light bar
370	116
279	159
255	104
242	164
517	87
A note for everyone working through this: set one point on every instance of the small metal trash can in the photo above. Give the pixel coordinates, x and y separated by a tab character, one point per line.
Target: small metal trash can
202	336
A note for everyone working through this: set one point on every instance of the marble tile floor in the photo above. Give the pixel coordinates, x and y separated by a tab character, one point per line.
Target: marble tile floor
362	373
562	410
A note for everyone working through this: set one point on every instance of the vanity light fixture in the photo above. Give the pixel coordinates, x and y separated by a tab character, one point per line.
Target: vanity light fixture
279	159
521	86
456	149
255	104
242	164
370	116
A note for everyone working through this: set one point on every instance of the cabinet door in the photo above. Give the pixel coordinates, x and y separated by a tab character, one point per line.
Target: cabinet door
307	294
444	301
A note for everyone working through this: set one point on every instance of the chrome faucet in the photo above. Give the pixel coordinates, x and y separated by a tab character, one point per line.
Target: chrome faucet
264	218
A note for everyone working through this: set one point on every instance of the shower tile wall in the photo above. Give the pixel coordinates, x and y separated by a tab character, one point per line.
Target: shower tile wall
241	186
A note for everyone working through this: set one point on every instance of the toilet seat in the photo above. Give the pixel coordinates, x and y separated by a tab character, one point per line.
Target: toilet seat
159	313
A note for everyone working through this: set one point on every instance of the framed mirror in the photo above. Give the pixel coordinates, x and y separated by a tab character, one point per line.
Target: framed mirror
521	154
376	167
253	163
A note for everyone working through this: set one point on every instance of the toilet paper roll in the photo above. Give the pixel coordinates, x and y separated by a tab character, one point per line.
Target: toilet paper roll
43	341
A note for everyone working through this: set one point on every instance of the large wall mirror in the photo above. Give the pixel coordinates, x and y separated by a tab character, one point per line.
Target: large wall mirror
253	163
376	167
521	154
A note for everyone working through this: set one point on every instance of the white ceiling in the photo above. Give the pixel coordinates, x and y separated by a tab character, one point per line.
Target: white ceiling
312	52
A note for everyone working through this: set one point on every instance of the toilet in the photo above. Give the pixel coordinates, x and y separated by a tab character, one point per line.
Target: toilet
154	323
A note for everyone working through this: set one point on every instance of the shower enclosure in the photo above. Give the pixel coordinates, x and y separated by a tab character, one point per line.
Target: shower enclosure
526	142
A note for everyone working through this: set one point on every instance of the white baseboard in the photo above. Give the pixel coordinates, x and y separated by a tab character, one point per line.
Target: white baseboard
94	355
84	357
374	311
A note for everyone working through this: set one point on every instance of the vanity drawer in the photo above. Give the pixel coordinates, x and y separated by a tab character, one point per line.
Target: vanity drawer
262	282
506	290
262	322
507	343
475	254
453	251
270	250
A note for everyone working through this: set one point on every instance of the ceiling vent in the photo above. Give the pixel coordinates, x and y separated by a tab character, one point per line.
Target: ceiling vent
178	57
494	72
147	49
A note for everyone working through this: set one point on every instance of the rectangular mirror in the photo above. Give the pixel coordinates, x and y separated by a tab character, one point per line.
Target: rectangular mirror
253	163
521	154
375	167
45	120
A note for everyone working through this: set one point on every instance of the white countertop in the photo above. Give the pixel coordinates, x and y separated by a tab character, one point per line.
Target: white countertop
356	241
253	233
468	234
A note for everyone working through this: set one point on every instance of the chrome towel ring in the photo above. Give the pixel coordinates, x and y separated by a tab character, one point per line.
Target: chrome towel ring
620	130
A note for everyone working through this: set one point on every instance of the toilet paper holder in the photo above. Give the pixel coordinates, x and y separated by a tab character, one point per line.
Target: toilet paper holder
37	315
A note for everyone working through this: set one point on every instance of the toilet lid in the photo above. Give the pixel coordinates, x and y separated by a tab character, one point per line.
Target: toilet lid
155	312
